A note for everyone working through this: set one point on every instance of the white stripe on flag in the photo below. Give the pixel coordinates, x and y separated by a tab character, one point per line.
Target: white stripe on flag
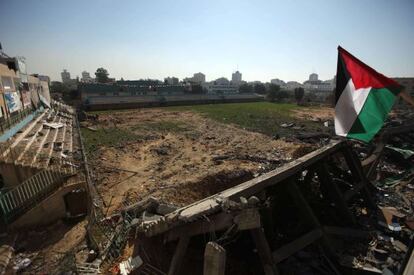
348	107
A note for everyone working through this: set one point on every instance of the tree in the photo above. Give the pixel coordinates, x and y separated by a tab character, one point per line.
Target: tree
245	88
101	75
260	88
197	89
272	94
58	87
299	93
282	94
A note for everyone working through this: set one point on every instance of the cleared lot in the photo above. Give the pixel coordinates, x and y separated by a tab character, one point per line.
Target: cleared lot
183	154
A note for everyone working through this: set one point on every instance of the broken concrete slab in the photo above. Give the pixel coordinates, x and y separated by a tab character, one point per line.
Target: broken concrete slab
214	259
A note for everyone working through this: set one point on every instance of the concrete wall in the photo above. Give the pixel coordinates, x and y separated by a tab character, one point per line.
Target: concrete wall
14	175
48	211
35	86
6	72
158	103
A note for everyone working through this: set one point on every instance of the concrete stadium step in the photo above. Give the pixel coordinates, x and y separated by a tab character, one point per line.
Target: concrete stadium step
28	141
50	145
41	147
31	152
7	147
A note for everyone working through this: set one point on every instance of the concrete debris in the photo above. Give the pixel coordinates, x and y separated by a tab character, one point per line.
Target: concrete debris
391	218
214	259
405	153
400	246
126	267
6	254
326	212
54	125
287	125
21	264
93	129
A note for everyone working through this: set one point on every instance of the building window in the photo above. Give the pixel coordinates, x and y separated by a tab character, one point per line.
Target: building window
7	83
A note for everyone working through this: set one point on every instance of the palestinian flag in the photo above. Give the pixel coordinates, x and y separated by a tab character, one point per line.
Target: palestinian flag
363	98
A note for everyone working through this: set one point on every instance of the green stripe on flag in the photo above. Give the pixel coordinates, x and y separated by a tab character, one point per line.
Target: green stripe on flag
373	114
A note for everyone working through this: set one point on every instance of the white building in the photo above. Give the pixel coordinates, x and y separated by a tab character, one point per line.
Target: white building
65	76
292	85
222	81
86	77
236	78
279	82
313	77
221	86
316	85
199	78
171	80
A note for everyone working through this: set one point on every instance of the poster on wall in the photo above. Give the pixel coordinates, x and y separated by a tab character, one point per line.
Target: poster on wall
21	66
12	101
26	98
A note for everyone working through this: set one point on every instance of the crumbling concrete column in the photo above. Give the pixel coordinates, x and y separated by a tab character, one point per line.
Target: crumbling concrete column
214	259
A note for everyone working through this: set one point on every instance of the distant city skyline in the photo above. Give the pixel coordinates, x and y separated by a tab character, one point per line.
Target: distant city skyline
236	78
262	39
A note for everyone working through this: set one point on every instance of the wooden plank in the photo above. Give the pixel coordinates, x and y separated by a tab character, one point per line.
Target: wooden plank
263	248
179	255
214	259
300	243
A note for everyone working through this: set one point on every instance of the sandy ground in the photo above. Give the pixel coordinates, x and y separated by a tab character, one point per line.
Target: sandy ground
45	247
315	114
182	165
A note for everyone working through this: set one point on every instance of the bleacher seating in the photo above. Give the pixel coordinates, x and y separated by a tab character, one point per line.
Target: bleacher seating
45	143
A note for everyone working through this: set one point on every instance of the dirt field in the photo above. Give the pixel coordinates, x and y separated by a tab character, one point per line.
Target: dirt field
176	156
315	114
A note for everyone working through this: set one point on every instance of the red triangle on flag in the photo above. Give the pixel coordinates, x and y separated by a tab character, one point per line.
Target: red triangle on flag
364	76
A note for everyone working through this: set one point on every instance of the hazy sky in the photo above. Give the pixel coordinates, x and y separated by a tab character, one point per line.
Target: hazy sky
154	38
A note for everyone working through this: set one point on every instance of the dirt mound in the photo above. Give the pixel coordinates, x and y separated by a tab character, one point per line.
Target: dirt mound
190	192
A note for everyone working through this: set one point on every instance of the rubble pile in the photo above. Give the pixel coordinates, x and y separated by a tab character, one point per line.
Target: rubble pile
324	213
328	206
391	170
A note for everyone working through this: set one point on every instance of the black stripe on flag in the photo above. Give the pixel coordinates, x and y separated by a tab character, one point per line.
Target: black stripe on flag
342	76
